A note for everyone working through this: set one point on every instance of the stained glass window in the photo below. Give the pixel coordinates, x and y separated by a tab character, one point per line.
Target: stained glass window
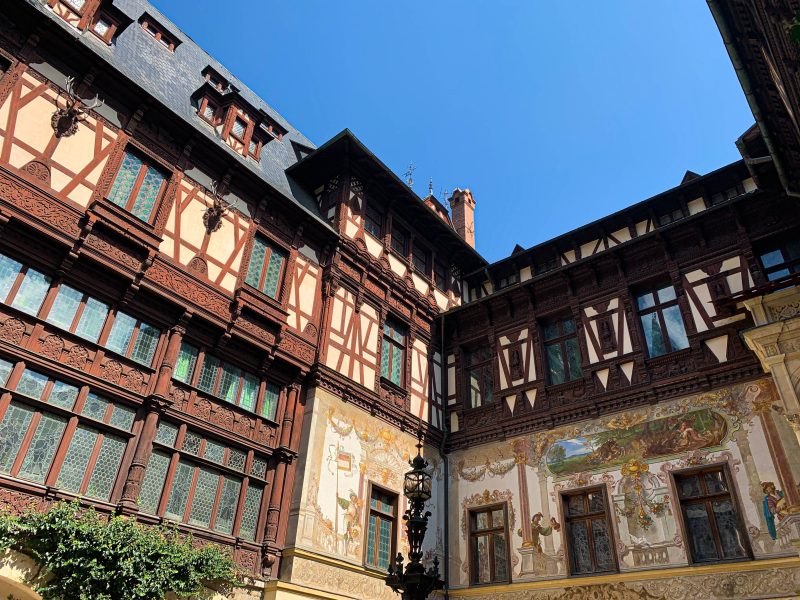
228	500
65	307
249	392
588	537
32	384
13	428
270	404
266	267
127	328
393	352
661	319
9	271
137	186
184	366
77	459
31	292
712	519
92	319
166	433
489	545
106	467
252	505
380	528
153	482
203	500
42	448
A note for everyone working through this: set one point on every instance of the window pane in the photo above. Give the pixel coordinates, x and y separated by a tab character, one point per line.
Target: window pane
772	259
500	558
203	501
555	364
715	482
166	434
123	417
31	293
31	384
208	374
699	531
653	335
645	301
384	543
43	447
482	559
249	392
596	503
270	405
153	482
729	536
9	269
675	329
228	499
92	320
777	274
666	294
95	407
573	358
256	265
145	345
229	383
77	459
148	194
259	468
239	128
180	491
688	486
602	546
64	307
106	468
184	366
580	558
236	459
252	504
575	506
5	371
15	425
126	178
214	451
397	365
63	395
569	326
191	443
385	352
371	528
121	333
475	388
272	279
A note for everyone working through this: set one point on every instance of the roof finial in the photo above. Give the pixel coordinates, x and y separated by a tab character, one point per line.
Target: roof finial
430	187
409	174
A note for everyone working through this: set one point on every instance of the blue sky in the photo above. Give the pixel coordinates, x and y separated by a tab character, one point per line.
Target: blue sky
552	113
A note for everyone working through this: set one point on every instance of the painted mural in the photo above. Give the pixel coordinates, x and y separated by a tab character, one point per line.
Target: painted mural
633	456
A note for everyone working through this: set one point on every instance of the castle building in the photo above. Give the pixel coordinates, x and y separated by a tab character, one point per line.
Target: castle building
208	320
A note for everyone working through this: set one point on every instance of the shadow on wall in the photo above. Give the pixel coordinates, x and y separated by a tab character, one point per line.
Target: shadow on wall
15	570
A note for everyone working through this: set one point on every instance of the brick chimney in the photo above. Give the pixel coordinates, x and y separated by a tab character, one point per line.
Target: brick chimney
462	207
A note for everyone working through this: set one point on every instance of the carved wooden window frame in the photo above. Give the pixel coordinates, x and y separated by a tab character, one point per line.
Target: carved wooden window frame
604	515
73	418
658	307
561	339
272	245
387	341
492	530
179	456
380	515
148	162
113	26
215	109
373	222
482	367
706	498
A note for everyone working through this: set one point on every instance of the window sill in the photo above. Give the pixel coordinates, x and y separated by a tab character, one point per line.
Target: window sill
126	224
391	392
668	357
178	384
263	304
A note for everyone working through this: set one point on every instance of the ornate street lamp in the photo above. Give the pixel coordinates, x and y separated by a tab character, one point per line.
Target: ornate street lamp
415	582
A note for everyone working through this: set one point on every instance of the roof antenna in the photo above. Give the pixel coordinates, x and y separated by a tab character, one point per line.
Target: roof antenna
430	187
443	194
409	174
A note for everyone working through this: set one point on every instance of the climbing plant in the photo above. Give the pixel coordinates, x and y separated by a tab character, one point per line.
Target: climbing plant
92	557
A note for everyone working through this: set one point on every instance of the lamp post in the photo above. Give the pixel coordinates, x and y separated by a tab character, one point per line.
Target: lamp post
415	582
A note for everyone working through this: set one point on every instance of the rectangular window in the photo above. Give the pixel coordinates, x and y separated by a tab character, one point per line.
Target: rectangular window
488	539
266	267
133	338
270	405
480	379
184	366
239	128
138	186
588	534
562	351
400	241
419	258
373	221
440	275
711	518
393	352
781	261
78	313
381	525
104	27
662	322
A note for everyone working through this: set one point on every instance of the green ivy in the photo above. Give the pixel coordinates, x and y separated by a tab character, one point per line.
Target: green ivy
92	557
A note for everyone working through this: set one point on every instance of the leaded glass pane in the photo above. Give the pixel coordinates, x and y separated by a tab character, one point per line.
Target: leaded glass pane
184	366
125	180
270	405
148	193
64	307
272	278
31	292
208	374
5	371
259	468
239	128
166	433
63	395
698	528
191	443
76	460
729	534
384	543
95	407
500	557
385	351
252	504
371	539
181	484
580	557
122	417
92	319
675	329
9	269
121	332
43	447
573	358
145	345
397	365
153	482
106	468
249	392
203	501
256	266
484	573
236	459
228	499
653	335
214	451
602	546
555	364
31	384
12	430
229	383
596	502
575	506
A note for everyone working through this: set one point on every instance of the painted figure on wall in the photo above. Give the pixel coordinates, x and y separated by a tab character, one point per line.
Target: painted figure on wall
352	522
774	506
538	530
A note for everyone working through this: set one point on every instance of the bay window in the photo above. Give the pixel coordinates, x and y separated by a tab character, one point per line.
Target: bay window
265	270
138	185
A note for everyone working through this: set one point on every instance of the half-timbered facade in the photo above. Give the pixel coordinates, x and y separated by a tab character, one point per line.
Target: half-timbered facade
209	321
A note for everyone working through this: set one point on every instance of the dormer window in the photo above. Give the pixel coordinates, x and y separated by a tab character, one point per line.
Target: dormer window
158	33
214	79
76	4
104	26
239	128
208	110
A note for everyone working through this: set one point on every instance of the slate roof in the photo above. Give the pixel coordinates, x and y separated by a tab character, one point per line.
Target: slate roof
172	78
